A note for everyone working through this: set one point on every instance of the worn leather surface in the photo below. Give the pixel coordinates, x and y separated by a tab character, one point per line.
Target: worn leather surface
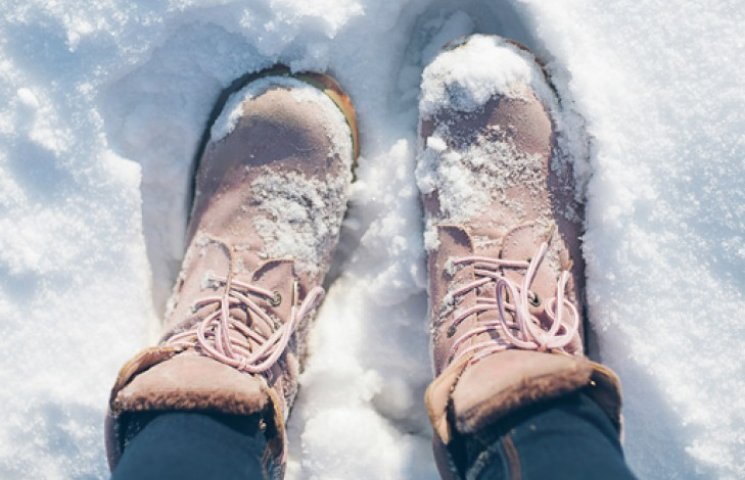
465	396
279	134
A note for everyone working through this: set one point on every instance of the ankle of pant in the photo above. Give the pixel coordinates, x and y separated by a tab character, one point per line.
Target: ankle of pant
199	443
571	419
135	422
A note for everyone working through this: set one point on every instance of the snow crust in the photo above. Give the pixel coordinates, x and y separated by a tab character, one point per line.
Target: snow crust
337	129
102	106
301	215
460	76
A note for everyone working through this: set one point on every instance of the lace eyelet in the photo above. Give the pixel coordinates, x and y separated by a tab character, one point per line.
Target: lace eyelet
535	300
451	331
276	299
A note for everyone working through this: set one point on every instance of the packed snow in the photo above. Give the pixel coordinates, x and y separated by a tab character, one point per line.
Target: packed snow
462	78
300	216
103	105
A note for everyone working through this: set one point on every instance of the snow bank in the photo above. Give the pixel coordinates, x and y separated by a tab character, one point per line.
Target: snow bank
103	104
665	107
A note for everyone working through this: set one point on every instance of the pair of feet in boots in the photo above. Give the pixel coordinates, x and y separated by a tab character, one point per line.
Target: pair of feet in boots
502	226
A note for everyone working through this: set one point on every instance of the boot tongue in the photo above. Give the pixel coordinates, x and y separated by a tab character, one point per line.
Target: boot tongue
208	260
523	243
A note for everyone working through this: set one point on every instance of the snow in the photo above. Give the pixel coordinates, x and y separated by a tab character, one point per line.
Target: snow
301	91
465	192
460	76
298	217
103	103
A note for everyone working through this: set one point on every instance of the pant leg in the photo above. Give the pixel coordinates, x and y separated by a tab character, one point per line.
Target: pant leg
192	446
568	438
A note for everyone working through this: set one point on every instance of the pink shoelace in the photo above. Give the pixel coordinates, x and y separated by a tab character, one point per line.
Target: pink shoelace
516	326
232	341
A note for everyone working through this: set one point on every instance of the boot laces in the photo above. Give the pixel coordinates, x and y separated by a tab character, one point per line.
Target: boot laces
515	325
233	341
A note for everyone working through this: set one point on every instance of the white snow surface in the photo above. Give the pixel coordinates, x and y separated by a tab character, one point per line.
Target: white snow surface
462	79
300	216
301	91
103	103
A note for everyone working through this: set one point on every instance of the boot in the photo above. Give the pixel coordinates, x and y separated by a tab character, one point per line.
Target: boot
502	236
270	194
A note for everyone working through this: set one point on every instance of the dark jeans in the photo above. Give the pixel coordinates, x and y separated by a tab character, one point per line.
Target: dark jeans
565	439
569	438
192	445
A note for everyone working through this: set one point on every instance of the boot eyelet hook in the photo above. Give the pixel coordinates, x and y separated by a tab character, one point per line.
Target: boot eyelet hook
534	299
276	299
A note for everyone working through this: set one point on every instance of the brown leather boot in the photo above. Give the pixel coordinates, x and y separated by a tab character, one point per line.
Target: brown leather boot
502	236
270	195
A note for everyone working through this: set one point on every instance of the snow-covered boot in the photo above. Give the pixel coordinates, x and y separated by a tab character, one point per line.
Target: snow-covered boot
270	195
502	237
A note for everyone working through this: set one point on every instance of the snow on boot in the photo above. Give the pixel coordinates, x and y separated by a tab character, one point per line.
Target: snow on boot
502	237
270	194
